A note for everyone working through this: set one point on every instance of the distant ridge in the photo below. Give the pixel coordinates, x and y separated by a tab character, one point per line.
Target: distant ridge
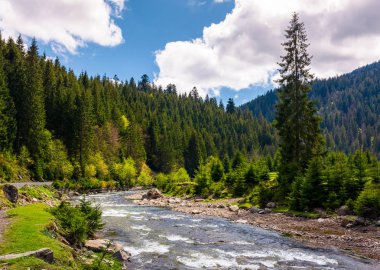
348	104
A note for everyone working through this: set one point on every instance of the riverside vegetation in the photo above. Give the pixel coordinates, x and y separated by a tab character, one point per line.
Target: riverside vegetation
98	133
39	219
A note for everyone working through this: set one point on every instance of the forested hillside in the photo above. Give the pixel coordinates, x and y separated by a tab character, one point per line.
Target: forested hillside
349	106
59	125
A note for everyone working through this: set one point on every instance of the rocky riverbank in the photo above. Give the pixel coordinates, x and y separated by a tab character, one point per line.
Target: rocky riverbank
346	233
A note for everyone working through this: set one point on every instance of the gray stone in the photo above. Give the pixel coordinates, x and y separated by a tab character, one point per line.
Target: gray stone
344	211
377	223
271	205
234	208
196	212
11	193
96	244
122	255
254	210
360	221
45	254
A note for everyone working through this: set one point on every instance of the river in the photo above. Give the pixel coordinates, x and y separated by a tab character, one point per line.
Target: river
159	238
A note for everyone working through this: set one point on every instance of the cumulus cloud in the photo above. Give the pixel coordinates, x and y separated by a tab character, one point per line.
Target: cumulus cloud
243	49
67	24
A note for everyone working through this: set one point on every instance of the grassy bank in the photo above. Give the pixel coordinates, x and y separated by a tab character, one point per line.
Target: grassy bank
28	232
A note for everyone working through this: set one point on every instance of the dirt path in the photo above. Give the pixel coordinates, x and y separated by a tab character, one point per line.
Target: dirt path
4	222
323	232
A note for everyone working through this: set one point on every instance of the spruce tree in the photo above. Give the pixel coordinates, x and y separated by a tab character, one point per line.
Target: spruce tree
7	113
230	108
296	118
35	109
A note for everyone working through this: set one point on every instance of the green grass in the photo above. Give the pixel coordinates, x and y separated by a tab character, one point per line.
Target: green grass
40	192
27	232
286	210
245	205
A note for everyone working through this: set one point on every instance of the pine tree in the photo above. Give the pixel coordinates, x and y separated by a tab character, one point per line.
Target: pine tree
194	154
35	109
296	120
7	113
17	83
230	108
84	128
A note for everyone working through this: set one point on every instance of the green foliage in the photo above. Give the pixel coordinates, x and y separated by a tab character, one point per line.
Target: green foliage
309	192
78	223
145	178
28	232
125	173
368	203
11	170
296	120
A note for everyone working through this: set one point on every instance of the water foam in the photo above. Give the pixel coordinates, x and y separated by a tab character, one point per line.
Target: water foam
148	247
141	228
199	260
177	238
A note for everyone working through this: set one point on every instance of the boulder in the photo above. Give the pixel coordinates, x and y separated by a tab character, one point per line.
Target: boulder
171	200
11	193
360	221
254	210
152	194
196	212
45	254
221	206
234	208
96	244
271	205
377	223
344	211
122	256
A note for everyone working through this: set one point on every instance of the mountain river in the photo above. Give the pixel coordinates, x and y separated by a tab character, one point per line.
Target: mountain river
159	238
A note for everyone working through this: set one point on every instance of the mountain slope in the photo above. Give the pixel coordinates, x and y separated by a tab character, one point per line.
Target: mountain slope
349	106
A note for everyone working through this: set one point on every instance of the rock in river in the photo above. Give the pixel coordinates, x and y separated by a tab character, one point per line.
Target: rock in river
152	194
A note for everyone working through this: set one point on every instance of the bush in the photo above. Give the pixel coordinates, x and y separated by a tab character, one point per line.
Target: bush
78	223
368	203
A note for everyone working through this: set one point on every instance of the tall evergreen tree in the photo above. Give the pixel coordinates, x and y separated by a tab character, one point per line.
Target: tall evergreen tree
296	120
7	112
230	108
35	139
16	80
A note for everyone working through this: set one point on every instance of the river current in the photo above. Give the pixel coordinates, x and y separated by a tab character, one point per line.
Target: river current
159	238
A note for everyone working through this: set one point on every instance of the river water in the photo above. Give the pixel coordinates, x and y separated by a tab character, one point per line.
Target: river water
159	238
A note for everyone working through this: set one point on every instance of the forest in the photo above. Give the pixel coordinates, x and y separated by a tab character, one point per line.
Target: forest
86	132
349	106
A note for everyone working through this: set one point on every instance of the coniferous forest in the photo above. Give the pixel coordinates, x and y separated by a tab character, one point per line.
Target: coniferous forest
348	106
86	132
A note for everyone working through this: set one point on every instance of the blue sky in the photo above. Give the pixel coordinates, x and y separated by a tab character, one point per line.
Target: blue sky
226	48
147	26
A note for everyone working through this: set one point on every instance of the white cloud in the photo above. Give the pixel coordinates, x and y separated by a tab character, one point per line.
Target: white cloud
67	24
243	50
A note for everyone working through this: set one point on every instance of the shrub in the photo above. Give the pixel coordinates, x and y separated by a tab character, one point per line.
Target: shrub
78	223
368	203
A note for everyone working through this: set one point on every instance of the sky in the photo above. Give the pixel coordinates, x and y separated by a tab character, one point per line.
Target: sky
226	48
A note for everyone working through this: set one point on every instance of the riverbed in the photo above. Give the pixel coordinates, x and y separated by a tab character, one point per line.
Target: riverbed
159	238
